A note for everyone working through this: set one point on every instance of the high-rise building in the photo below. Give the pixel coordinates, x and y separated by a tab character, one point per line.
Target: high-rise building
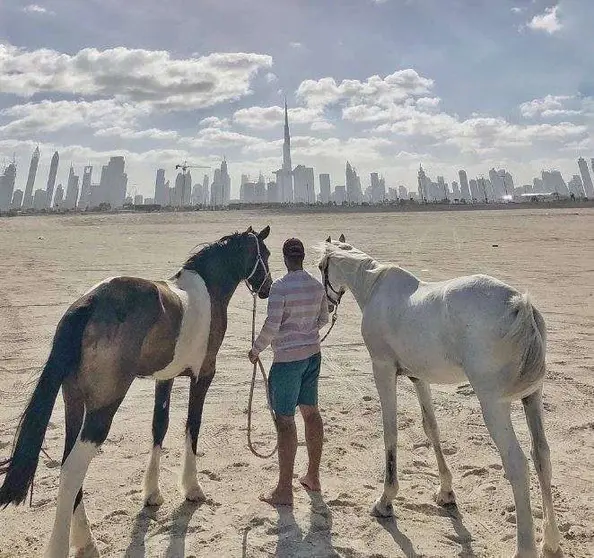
17	199
464	188
443	192
161	194
576	186
138	199
205	190
85	191
59	197
272	192
402	192
340	195
586	178
216	190
225	182
71	190
474	191
39	199
113	184
28	197
378	188
183	189
325	188
284	176
7	181
51	179
455	190
304	188
553	182
423	184
354	193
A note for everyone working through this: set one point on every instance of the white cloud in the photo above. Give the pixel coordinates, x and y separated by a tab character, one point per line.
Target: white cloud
136	75
37	9
270	117
517	10
214	122
271	78
322	126
46	116
295	44
547	21
550	106
126	133
396	87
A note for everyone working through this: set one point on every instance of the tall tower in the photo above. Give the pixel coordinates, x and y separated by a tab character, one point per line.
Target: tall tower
7	181
51	179
586	178
28	197
85	193
287	165
464	187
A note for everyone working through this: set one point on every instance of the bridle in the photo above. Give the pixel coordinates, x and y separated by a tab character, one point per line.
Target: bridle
328	285
259	260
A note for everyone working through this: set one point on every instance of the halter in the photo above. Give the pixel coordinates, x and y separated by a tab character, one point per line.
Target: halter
328	285
259	260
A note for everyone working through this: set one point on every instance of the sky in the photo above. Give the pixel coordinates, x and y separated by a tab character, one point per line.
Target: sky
385	84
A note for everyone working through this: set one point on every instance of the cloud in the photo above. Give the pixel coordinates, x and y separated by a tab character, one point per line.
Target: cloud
37	9
271	78
214	122
132	75
517	10
322	126
270	117
295	44
550	106
547	21
396	87
31	119
126	133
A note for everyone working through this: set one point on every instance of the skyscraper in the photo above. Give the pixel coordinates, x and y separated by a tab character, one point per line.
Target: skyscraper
51	179
378	188
59	197
225	183
28	196
304	188
284	176
85	191
113	184
464	188
216	189
354	193
586	178
205	190
7	181
423	183
576	186
71	190
161	193
325	189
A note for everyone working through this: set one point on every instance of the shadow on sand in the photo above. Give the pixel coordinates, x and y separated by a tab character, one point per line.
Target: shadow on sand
291	541
462	537
176	527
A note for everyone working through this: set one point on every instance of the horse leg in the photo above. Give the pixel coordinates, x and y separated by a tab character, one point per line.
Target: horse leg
445	495
81	538
151	492
542	462
198	387
498	420
384	374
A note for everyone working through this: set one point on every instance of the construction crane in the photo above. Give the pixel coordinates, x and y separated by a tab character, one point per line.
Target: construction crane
184	167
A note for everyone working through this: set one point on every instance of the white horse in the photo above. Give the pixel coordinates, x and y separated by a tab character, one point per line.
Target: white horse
473	327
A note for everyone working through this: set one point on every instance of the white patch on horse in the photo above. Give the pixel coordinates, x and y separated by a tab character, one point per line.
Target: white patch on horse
72	475
192	341
190	487
151	492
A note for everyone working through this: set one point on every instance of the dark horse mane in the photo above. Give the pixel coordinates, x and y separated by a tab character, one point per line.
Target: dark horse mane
194	262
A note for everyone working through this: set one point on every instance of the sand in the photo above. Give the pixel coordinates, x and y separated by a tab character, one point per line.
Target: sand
47	262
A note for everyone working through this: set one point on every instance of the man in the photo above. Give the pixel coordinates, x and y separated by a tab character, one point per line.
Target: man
297	309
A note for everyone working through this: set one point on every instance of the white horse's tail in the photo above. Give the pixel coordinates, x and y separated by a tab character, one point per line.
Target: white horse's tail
528	334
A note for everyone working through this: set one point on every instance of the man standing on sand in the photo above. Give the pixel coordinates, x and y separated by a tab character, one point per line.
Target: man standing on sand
297	309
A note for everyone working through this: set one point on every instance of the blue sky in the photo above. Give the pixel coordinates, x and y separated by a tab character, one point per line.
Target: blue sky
385	84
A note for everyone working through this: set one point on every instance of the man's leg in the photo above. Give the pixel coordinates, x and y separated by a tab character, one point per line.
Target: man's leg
314	428
284	383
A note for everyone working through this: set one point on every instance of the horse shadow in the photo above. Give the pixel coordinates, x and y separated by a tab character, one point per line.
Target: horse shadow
291	540
463	537
177	528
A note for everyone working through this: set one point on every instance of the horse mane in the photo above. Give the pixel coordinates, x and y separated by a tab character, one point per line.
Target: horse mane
209	248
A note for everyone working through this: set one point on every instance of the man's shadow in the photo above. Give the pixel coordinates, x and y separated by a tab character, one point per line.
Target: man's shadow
463	538
177	527
291	542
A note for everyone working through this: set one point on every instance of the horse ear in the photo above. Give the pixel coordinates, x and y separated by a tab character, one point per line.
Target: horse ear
328	239
250	230
342	238
263	234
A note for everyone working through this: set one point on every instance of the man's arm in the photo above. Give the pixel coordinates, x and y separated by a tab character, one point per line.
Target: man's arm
276	305
324	318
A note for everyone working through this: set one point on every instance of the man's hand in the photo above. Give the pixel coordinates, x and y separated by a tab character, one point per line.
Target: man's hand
253	356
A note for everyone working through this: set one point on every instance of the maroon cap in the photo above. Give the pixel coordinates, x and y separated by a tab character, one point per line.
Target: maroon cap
293	248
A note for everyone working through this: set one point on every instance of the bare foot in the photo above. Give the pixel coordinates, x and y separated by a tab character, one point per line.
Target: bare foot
311	484
277	497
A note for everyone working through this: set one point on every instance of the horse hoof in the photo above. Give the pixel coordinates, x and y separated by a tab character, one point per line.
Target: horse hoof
547	550
195	494
89	551
381	509
445	498
154	499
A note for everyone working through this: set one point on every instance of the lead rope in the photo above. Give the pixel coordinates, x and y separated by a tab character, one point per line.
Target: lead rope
257	365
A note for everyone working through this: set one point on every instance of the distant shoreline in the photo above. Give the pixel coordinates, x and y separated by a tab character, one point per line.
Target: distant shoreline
322	209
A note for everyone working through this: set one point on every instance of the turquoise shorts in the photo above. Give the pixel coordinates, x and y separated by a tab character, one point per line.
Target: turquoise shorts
294	383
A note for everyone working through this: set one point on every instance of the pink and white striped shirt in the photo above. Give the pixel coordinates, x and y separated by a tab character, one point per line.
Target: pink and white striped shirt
297	309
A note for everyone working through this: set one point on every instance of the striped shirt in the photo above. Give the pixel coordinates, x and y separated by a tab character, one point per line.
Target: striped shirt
297	309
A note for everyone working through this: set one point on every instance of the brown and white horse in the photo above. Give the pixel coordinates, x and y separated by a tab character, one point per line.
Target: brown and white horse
127	327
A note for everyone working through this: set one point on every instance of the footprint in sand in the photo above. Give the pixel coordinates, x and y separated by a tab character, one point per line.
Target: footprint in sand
475	471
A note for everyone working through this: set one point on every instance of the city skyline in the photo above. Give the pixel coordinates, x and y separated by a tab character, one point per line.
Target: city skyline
517	95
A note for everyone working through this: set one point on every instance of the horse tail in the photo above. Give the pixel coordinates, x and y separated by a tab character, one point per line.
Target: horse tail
528	334
64	360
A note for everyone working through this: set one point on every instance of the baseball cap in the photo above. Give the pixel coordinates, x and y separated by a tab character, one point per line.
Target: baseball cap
293	248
